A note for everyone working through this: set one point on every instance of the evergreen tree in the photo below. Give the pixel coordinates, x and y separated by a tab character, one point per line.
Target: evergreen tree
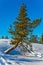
2	37
34	39
6	37
21	28
42	38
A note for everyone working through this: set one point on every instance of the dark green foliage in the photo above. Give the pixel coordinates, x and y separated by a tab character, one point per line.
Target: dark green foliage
34	39
36	22
2	37
41	39
6	37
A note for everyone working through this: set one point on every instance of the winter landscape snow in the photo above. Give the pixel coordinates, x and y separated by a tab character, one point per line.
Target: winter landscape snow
15	57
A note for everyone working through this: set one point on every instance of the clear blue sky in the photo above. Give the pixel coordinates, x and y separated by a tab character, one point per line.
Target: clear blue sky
9	10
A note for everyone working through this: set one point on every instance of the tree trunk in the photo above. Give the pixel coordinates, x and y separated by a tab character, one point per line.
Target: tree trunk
8	50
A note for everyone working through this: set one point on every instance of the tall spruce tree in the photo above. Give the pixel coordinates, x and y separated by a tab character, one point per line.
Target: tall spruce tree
21	28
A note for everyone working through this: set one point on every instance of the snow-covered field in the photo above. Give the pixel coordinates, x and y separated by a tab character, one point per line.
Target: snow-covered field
19	60
16	58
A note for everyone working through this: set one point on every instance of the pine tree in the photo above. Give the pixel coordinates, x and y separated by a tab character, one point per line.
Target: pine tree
2	37
6	37
21	28
42	38
34	39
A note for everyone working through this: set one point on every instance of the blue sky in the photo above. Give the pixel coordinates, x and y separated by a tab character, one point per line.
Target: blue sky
9	10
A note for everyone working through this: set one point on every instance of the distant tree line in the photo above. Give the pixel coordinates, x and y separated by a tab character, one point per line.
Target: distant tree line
4	37
36	39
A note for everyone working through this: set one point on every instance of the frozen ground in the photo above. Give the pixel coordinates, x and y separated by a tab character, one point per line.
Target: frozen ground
19	60
16	58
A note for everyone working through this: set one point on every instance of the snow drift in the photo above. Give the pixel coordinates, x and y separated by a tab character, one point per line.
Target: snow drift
16	58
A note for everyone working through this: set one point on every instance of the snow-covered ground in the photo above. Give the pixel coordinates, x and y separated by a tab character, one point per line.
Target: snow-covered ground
16	58
19	60
37	47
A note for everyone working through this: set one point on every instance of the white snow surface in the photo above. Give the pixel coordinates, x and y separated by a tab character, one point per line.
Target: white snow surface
18	59
37	47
